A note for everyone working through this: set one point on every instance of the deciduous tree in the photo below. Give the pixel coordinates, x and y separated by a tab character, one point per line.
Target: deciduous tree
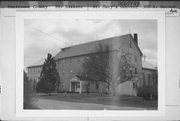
104	67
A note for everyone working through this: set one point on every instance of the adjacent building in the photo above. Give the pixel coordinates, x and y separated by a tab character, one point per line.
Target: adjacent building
149	73
34	72
150	80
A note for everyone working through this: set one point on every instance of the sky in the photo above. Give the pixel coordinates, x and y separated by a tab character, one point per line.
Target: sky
42	36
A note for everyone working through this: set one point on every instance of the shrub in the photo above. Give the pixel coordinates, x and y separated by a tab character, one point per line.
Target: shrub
148	92
49	77
28	93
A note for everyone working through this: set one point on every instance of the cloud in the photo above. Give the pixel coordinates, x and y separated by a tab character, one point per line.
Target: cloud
44	36
110	30
66	25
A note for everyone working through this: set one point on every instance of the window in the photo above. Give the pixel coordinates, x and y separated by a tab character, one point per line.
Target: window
89	84
97	86
149	79
39	71
130	72
152	83
135	70
144	79
152	79
134	85
78	85
78	60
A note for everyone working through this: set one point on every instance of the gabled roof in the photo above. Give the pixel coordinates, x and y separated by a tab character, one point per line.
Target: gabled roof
38	63
148	65
90	47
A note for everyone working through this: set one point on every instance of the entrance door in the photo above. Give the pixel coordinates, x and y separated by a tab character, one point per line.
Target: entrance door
75	87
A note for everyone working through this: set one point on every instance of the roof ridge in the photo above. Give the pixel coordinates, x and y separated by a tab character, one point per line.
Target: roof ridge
97	40
37	63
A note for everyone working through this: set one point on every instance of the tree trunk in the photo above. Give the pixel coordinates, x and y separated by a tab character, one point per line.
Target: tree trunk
113	89
101	89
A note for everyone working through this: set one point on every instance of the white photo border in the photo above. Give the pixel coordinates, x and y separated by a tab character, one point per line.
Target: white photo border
132	15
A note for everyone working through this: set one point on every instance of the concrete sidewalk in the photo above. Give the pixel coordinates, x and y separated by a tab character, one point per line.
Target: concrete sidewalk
57	105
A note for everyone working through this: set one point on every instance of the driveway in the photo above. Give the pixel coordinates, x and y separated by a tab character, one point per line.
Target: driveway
56	105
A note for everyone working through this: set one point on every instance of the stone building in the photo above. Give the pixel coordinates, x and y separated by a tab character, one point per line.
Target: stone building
149	73
150	80
34	72
69	64
70	60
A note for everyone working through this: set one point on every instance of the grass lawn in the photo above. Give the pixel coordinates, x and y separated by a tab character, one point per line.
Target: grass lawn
121	101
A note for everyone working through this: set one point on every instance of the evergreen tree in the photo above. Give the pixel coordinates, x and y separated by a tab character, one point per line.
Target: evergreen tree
49	78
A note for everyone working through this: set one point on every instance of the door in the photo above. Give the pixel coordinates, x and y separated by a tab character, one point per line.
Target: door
75	87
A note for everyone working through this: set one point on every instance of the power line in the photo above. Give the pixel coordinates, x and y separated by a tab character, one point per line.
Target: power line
50	35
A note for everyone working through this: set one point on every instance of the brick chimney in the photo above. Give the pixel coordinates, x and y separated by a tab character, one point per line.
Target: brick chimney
136	38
